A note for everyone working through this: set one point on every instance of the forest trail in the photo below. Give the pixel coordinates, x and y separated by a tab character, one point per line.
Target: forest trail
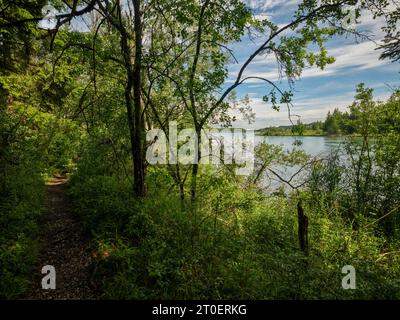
65	246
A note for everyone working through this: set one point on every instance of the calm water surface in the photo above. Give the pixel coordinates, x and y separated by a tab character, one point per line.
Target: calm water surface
314	146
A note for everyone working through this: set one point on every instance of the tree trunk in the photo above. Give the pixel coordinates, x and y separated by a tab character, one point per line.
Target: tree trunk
195	168
138	158
302	228
134	106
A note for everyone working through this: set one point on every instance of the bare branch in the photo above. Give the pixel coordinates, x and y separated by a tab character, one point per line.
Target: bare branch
61	18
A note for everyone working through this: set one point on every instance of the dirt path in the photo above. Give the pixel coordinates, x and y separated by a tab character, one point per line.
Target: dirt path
64	246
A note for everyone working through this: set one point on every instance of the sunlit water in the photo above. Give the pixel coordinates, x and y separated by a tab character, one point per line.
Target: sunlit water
316	147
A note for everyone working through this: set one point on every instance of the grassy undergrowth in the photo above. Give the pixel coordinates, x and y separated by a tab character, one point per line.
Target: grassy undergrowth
235	244
20	206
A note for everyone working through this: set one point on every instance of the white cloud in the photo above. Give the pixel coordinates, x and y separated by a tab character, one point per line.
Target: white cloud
309	109
266	5
349	58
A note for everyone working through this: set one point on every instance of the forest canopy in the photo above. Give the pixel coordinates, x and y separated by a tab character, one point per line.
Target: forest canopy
82	82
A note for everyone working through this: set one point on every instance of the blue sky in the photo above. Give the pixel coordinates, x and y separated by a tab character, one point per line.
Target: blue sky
317	91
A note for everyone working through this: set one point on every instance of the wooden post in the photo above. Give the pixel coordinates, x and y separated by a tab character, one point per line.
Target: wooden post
302	228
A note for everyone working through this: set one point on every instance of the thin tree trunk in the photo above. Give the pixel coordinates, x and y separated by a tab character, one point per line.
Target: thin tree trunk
302	228
139	173
195	168
128	92
134	109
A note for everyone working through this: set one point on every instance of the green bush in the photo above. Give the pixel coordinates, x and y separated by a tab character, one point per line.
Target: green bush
234	244
20	207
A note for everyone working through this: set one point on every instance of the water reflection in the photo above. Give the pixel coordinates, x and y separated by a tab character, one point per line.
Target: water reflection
316	147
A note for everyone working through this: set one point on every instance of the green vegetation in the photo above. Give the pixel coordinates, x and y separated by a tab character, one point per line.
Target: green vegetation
341	123
299	129
80	103
34	144
236	242
36	140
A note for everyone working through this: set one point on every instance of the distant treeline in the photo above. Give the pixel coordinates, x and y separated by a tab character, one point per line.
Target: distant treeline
309	129
344	123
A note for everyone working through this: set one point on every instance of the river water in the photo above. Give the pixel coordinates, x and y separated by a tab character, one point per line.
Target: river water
316	147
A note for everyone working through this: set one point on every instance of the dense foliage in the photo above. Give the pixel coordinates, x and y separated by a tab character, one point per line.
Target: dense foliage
79	103
385	115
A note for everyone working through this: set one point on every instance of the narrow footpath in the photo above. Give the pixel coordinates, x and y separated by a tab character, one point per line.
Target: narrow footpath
65	246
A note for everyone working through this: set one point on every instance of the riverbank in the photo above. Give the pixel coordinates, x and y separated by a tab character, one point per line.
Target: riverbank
308	133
